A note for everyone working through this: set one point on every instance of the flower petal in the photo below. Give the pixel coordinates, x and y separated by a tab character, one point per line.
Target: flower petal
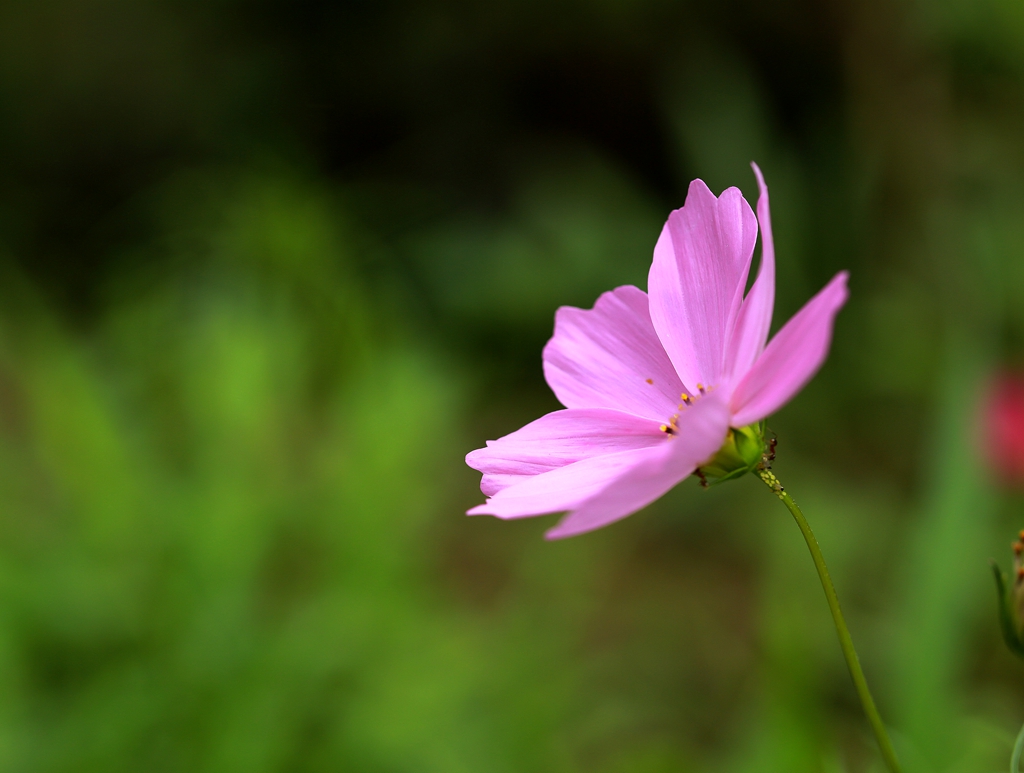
697	280
702	430
558	439
566	488
755	317
792	358
604	488
610	357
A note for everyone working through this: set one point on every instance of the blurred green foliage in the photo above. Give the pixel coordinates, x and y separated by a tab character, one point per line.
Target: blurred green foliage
271	269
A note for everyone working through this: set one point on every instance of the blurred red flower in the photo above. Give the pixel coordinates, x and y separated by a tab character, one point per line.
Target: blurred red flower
1004	427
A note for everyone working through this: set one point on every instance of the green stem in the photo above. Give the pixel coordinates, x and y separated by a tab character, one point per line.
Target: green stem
1018	749
852	661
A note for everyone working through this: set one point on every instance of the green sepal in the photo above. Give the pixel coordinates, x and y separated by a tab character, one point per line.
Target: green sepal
1007	622
714	480
742	452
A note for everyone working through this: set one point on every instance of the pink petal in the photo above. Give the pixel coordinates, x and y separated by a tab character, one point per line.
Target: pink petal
755	317
601	489
558	439
566	488
702	430
697	280
792	358
610	357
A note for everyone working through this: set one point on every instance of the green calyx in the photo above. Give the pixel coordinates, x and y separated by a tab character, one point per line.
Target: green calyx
1009	617
742	452
1010	593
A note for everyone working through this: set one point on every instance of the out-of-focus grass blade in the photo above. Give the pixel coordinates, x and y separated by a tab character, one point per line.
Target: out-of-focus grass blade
944	575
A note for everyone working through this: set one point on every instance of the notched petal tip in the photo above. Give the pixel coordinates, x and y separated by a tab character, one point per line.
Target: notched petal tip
697	279
698	189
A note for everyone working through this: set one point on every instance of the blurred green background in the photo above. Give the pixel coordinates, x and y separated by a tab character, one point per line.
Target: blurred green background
269	269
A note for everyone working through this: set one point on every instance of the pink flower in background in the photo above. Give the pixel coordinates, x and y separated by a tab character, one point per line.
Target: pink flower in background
1004	427
653	383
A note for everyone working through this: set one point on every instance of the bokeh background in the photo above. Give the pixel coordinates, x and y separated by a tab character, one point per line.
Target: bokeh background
269	269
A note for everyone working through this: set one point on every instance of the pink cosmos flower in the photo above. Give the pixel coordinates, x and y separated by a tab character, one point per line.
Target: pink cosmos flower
653	383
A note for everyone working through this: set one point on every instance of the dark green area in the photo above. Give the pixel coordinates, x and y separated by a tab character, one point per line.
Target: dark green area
268	270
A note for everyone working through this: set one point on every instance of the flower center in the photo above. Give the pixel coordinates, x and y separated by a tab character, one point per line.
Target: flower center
687	400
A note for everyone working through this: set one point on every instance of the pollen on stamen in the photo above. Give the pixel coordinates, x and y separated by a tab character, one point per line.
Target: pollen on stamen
1020	573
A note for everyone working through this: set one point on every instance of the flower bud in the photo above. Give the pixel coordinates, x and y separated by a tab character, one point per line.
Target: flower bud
742	452
1010	592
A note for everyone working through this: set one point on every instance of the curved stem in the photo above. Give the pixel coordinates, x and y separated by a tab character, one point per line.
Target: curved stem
1018	749
845	642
